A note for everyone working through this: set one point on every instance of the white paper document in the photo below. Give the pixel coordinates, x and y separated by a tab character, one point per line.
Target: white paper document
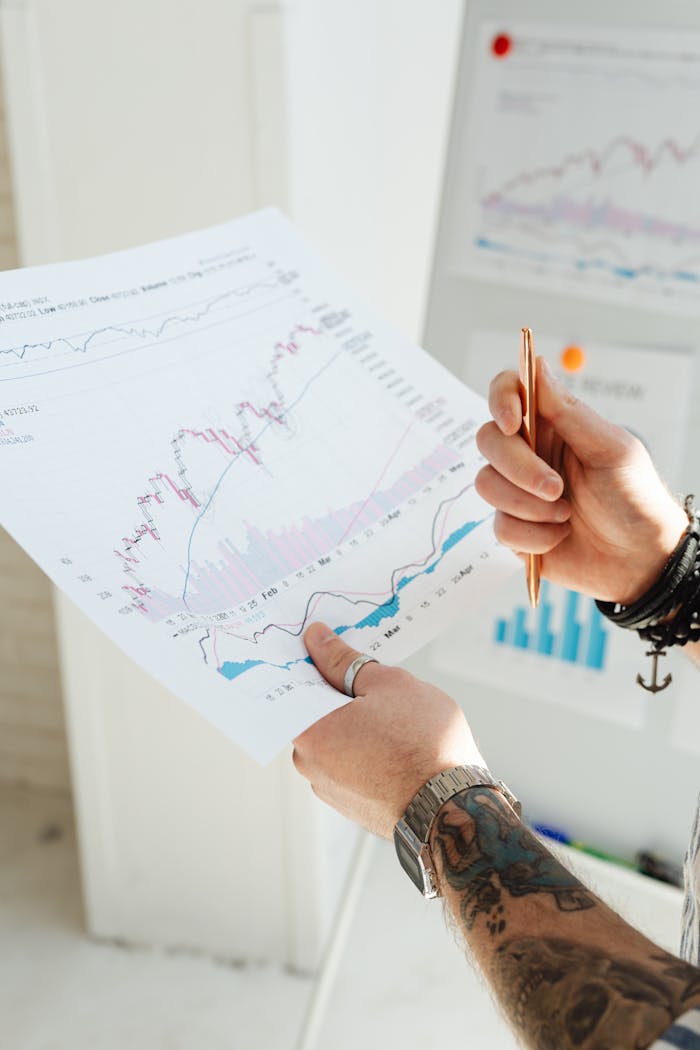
211	441
578	170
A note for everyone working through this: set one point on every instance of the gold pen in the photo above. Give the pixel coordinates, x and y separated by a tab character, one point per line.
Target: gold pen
528	398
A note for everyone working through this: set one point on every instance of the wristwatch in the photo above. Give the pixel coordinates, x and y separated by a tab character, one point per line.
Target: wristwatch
412	832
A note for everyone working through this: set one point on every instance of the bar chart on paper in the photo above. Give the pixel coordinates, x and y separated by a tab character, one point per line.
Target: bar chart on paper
231	445
566	627
564	652
601	206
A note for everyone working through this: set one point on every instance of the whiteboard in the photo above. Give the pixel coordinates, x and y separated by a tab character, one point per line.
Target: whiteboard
584	767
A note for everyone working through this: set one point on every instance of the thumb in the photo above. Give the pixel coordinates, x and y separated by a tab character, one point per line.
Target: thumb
590	437
330	654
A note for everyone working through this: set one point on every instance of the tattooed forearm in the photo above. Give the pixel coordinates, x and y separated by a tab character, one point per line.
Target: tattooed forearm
564	994
569	973
485	850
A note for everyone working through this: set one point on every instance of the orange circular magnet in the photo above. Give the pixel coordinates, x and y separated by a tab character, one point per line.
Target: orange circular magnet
572	358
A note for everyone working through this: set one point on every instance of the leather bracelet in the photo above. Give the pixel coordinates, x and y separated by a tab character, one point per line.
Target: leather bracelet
677	591
665	594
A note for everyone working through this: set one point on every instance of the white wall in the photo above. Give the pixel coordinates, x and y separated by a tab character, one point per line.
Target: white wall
147	118
128	122
370	100
32	735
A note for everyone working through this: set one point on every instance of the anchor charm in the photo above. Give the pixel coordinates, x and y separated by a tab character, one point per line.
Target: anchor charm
654	686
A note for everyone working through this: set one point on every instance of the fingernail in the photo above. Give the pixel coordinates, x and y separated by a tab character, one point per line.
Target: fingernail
550	488
324	632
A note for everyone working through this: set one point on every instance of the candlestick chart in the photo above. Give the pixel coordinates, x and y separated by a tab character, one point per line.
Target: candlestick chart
230	452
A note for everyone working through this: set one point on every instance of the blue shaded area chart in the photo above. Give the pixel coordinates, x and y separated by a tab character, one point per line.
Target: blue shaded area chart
627	273
381	611
580	638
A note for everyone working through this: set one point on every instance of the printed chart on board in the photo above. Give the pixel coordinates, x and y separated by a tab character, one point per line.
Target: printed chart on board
580	165
565	651
209	442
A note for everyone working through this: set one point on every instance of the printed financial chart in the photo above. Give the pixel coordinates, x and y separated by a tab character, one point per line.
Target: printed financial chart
582	163
209	442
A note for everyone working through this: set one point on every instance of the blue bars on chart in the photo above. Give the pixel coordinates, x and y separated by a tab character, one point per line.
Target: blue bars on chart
581	637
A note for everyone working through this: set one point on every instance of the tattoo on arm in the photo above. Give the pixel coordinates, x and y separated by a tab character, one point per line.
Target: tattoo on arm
562	991
485	851
563	994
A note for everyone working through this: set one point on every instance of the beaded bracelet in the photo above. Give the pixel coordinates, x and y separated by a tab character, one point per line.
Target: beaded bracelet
677	591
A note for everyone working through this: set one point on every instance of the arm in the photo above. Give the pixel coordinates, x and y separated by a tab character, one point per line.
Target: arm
566	970
592	503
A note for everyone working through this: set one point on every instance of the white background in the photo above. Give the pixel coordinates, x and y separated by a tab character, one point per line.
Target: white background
579	772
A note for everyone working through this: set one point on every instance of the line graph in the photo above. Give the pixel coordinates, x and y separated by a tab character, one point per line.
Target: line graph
606	204
234	461
164	326
220	480
276	553
388	607
220	439
592	163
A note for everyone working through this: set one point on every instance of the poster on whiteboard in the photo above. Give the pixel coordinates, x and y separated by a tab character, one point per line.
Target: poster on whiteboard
579	164
565	651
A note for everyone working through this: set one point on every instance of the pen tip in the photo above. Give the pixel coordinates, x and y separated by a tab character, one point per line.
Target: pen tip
533	587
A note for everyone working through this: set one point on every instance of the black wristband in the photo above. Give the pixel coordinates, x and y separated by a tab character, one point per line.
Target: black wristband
677	588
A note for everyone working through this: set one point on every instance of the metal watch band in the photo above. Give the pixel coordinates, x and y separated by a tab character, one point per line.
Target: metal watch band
422	810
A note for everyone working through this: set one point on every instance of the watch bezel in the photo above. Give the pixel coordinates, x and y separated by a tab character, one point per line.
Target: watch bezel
422	874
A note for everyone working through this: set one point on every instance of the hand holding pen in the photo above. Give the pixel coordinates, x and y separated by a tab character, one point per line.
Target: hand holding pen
588	501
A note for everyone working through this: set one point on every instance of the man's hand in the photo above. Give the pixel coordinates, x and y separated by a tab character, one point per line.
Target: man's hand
591	503
369	758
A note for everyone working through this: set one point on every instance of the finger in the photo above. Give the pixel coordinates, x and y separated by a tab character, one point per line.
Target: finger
590	437
504	402
505	496
331	655
512	457
529	537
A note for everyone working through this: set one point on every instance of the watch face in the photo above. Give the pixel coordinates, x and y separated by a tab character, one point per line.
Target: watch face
409	860
414	858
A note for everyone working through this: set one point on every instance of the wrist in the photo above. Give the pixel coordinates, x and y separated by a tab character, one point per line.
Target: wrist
413	832
655	554
668	612
456	822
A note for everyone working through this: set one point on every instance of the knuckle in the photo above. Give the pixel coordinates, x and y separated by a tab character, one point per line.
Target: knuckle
483	482
341	657
506	377
505	528
397	677
319	792
306	746
484	436
630	443
498	529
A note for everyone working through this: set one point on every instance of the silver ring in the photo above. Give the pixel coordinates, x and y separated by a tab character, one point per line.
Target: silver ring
351	673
